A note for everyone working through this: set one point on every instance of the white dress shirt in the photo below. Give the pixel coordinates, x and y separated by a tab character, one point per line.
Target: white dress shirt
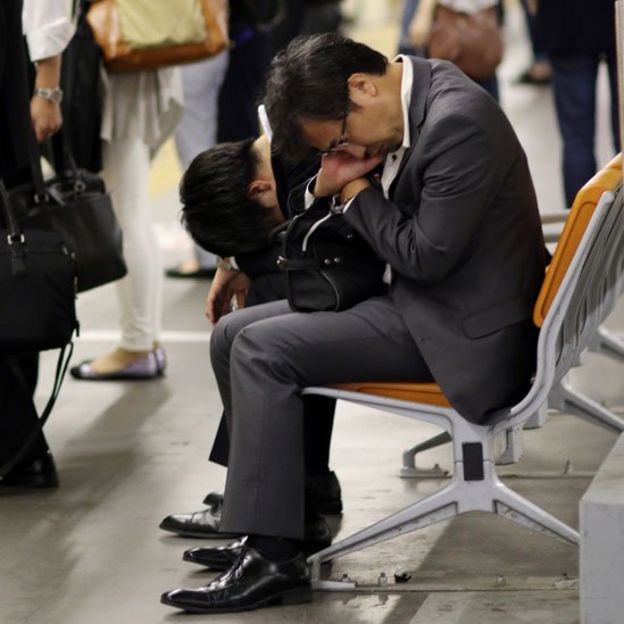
47	26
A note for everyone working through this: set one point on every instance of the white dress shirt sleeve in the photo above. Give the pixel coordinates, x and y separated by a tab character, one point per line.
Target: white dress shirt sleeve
47	26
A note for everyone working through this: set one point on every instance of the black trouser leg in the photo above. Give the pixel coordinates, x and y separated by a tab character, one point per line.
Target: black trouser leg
18	415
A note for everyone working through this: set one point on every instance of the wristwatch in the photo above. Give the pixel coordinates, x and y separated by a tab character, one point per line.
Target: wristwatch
51	94
225	263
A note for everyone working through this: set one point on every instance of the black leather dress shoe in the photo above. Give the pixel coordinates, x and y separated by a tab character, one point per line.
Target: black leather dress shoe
317	536
323	495
41	473
203	523
217	559
252	582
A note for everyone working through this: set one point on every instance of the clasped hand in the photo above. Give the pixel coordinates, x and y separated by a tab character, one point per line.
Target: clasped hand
343	173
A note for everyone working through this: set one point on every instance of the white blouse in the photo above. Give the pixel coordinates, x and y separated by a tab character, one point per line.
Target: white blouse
47	26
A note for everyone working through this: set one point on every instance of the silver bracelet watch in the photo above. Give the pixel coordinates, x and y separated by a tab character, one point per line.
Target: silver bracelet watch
51	94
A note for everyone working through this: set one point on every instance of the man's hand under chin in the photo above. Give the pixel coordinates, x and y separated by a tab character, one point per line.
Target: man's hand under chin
340	168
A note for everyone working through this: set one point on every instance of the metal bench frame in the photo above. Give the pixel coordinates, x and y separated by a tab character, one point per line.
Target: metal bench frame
587	294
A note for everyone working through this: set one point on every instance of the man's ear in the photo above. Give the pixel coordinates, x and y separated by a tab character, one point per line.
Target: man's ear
361	88
257	188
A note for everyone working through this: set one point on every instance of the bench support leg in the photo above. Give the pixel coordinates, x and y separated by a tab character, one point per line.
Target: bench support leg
409	468
459	496
580	405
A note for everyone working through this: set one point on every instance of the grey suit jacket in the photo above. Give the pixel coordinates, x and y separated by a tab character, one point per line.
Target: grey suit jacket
462	233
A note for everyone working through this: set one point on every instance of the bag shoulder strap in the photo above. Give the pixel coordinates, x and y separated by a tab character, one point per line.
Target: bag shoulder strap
61	368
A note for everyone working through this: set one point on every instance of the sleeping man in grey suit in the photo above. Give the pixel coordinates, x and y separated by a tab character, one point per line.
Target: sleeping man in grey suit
455	218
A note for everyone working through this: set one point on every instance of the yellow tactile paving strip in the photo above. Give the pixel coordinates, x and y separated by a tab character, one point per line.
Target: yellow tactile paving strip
165	172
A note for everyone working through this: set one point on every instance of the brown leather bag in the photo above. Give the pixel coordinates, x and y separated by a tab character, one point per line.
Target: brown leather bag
472	42
138	35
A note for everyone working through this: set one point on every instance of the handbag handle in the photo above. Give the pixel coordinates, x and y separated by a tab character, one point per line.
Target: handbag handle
14	233
64	160
34	164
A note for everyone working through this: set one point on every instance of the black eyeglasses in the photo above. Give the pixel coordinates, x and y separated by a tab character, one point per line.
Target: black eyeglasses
342	140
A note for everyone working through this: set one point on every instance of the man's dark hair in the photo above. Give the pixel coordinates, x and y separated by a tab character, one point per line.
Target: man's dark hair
216	208
309	80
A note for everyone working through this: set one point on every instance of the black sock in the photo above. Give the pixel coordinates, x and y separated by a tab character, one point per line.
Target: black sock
274	548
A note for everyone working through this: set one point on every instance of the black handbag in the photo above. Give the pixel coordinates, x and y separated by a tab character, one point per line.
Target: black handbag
328	265
37	305
75	204
37	287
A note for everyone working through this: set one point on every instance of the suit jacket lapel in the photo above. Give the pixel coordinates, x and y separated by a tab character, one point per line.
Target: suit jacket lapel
420	90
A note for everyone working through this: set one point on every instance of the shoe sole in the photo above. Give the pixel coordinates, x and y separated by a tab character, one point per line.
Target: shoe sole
197	534
116	377
284	599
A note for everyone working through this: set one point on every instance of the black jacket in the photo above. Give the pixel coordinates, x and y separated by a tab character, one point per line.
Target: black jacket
268	282
462	233
15	124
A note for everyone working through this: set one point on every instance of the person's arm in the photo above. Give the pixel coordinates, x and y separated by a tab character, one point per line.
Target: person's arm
48	30
458	186
45	109
228	284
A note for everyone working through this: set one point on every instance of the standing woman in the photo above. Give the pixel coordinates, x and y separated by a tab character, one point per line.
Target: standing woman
48	31
141	110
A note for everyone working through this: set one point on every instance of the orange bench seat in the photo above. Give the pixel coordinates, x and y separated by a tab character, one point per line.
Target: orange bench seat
428	393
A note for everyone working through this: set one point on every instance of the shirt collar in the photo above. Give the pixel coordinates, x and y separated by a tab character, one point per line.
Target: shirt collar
407	81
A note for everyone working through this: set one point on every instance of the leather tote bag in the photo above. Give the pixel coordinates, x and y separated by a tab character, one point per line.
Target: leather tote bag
137	35
473	42
37	286
75	205
37	305
328	265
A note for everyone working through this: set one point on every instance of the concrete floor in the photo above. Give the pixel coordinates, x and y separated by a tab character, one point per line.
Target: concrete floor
129	454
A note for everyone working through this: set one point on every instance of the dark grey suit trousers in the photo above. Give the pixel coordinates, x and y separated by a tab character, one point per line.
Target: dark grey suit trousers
262	358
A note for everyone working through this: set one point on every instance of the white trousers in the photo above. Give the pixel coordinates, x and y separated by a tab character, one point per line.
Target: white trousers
126	173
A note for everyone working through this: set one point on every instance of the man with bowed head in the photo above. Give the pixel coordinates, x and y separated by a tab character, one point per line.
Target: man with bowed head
454	216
